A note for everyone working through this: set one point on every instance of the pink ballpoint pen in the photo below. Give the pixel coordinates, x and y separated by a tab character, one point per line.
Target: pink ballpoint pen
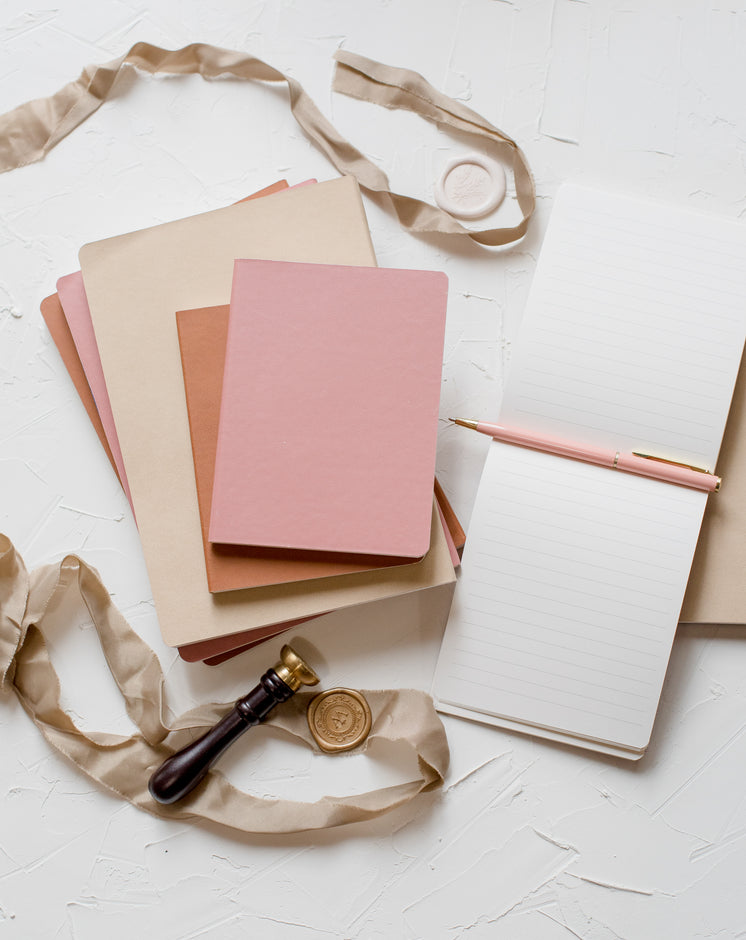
641	464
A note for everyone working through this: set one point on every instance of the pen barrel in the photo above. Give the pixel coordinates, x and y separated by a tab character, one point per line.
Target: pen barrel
179	774
548	445
668	472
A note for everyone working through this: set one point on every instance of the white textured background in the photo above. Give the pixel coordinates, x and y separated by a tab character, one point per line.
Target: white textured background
528	840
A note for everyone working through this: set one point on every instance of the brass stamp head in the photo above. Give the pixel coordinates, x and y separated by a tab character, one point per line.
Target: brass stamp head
339	719
293	670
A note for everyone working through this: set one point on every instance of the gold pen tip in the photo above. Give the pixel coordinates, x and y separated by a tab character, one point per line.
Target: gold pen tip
465	423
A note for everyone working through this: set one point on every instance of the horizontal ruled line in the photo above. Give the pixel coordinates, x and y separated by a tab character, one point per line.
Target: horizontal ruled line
545	642
566	608
552	701
553	659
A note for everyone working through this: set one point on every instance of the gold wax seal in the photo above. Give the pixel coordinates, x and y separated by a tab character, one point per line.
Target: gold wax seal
339	719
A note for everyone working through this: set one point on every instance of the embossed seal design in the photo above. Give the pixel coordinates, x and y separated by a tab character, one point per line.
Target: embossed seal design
339	719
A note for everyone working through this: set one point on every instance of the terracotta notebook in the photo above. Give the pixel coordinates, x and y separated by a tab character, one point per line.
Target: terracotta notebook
202	340
222	648
329	409
202	335
134	284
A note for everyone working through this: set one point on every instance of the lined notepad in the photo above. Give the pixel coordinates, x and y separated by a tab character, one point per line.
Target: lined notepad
573	574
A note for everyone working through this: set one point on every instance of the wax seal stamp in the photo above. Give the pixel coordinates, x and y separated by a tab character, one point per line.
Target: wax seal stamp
339	719
179	774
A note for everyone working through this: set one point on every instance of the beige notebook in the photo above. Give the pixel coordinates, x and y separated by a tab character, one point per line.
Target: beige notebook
716	592
134	284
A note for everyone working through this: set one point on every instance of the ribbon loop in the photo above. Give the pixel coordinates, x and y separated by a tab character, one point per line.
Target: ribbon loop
31	130
124	764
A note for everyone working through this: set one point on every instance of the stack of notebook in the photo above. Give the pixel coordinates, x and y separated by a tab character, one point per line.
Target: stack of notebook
269	400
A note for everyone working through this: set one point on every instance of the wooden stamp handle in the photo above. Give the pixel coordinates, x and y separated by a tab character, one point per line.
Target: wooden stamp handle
180	773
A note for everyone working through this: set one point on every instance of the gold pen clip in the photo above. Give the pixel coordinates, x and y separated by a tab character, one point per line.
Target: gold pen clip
676	463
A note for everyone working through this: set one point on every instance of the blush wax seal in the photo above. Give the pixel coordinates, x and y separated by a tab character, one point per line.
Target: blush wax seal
339	719
470	186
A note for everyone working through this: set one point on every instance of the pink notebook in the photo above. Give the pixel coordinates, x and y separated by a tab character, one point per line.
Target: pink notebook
329	410
74	302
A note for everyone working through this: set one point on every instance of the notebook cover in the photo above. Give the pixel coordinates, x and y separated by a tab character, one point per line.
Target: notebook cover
72	297
134	284
458	536
329	408
202	339
716	591
71	292
54	317
221	648
217	651
224	657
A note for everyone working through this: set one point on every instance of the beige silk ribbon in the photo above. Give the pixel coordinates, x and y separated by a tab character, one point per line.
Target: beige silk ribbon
30	131
123	765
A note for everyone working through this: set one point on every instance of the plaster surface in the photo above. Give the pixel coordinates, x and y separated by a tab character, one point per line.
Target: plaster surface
527	840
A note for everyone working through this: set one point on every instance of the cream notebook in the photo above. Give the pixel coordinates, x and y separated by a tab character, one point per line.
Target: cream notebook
573	574
134	284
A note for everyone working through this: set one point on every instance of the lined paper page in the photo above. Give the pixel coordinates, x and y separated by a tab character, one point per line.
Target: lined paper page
570	587
633	329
